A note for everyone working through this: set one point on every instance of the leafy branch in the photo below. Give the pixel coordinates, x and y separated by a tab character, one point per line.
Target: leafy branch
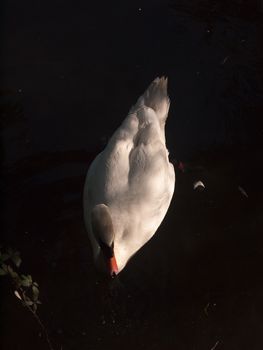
25	289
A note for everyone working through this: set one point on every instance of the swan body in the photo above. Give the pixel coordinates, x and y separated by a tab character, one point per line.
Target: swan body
130	184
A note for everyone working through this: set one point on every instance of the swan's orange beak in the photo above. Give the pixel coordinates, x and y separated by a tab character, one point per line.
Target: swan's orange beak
113	267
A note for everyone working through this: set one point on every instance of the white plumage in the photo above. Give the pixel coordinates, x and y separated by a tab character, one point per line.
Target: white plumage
130	184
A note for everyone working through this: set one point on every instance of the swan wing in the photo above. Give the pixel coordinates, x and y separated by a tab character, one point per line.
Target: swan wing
133	175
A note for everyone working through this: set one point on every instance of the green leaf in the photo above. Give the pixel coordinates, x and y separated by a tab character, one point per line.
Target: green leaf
4	267
16	259
2	272
29	302
35	291
9	269
14	275
5	256
26	281
35	307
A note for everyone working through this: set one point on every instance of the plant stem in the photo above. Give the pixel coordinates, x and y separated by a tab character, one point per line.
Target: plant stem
43	328
40	323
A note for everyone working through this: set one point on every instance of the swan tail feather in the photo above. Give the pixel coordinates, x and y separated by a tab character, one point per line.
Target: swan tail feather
156	97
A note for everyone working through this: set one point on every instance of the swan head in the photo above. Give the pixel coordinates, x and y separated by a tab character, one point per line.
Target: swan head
103	231
106	260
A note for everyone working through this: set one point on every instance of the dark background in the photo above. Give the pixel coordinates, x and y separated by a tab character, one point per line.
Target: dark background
70	71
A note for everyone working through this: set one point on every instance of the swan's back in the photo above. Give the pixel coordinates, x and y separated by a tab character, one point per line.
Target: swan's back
133	176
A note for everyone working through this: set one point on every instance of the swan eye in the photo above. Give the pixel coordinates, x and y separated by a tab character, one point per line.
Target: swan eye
108	251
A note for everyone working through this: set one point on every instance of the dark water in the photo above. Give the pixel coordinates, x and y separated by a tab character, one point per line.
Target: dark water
70	73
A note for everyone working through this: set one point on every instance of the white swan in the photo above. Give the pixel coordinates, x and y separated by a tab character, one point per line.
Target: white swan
130	184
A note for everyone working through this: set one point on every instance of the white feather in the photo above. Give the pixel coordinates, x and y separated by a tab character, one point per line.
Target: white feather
133	176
